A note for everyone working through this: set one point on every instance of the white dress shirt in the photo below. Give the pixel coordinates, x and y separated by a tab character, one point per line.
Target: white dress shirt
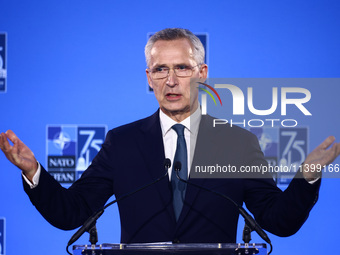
191	125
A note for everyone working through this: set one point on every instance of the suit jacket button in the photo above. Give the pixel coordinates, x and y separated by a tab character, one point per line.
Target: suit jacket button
176	240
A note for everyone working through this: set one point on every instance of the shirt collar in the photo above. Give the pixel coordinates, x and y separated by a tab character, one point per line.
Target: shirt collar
191	123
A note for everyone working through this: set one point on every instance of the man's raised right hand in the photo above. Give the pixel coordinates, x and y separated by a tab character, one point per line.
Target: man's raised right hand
18	153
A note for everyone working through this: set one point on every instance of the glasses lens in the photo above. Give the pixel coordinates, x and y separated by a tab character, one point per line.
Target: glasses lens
183	72
159	73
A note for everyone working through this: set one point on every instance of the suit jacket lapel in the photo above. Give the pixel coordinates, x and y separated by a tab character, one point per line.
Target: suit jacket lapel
152	148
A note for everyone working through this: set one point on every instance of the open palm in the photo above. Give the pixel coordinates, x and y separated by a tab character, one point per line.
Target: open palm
18	153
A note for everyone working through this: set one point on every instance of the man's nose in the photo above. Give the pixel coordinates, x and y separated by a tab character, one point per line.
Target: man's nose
172	78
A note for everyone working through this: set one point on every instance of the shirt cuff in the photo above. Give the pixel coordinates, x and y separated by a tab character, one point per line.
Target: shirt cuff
35	178
310	182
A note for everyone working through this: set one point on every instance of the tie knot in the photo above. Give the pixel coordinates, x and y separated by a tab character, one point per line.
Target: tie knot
179	128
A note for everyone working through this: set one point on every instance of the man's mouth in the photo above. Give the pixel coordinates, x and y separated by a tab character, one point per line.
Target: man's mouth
172	96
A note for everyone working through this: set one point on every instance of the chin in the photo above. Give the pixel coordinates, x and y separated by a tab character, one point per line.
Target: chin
176	109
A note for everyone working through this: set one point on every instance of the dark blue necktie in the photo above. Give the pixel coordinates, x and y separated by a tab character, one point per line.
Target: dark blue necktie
178	187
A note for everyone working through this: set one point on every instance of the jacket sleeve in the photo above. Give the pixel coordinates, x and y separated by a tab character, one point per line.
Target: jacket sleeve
69	208
279	212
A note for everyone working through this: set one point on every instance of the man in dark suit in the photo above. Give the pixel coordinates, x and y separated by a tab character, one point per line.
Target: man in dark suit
133	155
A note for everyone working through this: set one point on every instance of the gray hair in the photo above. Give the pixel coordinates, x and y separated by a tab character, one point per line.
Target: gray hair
170	34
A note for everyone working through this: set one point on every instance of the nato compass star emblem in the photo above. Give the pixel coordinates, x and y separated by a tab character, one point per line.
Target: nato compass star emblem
265	141
61	140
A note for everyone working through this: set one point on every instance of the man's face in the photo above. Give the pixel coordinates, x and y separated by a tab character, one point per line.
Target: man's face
175	95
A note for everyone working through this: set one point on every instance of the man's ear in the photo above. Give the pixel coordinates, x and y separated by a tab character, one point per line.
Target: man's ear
149	78
203	72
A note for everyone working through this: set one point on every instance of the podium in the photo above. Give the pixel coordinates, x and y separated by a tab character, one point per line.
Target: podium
171	249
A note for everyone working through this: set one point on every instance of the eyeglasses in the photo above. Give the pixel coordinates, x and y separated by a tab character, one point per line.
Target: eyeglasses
163	72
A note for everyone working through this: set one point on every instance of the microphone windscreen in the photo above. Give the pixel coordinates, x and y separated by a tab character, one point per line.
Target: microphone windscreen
167	163
178	166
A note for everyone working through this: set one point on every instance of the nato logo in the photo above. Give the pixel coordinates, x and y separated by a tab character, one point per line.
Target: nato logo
2	236
71	149
3	71
284	149
269	141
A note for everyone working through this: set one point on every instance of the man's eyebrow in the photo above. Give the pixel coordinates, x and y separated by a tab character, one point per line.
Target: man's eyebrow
176	65
159	65
182	64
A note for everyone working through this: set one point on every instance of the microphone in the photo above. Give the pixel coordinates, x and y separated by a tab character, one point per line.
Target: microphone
246	235
249	220
93	236
91	221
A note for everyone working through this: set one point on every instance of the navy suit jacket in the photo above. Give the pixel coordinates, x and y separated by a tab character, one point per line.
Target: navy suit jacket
133	155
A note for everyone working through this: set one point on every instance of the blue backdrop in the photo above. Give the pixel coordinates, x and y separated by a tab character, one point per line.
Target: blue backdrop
82	62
